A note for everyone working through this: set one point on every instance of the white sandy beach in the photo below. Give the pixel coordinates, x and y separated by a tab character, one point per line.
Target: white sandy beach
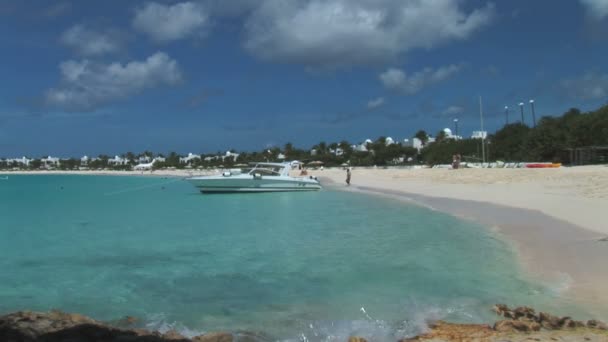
578	195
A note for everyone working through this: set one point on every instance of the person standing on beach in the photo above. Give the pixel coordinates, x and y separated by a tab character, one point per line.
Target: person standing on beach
348	176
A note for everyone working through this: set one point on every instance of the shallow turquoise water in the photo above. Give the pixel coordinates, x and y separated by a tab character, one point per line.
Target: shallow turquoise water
314	266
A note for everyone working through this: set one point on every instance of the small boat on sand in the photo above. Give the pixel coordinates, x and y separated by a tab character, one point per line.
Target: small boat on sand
543	165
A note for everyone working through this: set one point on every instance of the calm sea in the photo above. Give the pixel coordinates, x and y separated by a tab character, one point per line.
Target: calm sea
302	266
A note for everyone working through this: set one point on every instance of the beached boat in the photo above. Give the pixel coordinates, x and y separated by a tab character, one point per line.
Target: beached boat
263	177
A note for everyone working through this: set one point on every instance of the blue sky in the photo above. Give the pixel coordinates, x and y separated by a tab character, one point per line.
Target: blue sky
90	77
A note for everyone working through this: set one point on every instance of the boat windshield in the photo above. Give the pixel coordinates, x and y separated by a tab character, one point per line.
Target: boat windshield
267	170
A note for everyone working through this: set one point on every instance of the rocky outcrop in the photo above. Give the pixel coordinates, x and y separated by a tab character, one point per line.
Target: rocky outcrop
443	331
56	326
214	337
520	324
527	316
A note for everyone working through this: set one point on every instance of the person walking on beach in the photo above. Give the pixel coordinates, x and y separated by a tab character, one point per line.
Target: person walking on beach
348	176
455	161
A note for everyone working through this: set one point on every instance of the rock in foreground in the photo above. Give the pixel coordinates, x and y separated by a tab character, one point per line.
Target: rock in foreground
521	324
56	326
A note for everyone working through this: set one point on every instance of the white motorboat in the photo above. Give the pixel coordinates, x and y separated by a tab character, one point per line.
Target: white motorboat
263	177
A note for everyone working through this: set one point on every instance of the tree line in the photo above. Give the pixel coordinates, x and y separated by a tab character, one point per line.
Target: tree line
548	141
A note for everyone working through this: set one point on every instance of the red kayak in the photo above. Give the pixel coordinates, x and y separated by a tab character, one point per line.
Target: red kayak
543	165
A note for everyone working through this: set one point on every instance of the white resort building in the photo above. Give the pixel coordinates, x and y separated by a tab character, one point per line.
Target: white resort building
414	142
50	162
189	158
479	135
23	161
118	161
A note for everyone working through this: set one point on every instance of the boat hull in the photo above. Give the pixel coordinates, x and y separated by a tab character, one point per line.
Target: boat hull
249	184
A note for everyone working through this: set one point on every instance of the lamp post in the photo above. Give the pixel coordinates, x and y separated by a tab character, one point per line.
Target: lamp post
506	115
483	149
533	114
521	107
456	128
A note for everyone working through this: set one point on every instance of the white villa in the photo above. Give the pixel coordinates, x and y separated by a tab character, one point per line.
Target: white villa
23	161
144	159
363	146
415	143
479	135
228	154
189	159
118	161
49	162
232	155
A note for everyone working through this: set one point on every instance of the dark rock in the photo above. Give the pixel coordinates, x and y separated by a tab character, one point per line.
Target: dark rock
499	309
214	337
56	326
549	321
525	312
567	322
595	324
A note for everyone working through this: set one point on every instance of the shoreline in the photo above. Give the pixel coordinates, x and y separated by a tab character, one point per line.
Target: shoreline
548	249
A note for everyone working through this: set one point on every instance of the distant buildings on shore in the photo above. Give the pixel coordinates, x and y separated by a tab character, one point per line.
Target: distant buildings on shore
146	161
121	162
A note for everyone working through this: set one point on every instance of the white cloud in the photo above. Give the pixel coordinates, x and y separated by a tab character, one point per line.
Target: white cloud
590	86
89	42
452	110
333	33
396	79
87	85
597	9
165	23
375	103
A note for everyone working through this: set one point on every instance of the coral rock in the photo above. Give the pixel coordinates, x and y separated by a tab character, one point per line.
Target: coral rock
214	337
356	339
516	326
548	321
525	312
594	324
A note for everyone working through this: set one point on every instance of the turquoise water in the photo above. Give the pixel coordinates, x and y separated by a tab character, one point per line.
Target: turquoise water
306	266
